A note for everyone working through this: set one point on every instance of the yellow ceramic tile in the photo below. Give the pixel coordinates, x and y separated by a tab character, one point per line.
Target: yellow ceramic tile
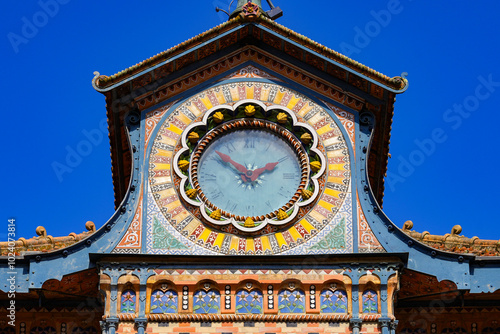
175	129
336	166
163	153
206	102
194	110
220	97
331	141
193	225
166	193
337	180
279	96
183	118
250	91
308	227
316	215
205	234
218	241
293	102
234	93
265	243
305	109
332	192
281	240
235	241
162	166
324	129
163	179
167	140
172	206
294	233
264	93
250	245
326	205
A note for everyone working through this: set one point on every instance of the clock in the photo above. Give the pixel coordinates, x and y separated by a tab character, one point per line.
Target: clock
249	169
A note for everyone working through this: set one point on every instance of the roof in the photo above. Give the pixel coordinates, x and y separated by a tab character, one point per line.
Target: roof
455	243
102	81
45	243
167	73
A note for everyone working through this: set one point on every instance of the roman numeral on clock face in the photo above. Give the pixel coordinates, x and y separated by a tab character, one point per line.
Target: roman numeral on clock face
284	192
231	206
283	159
230	148
290	176
249	143
250	208
216	194
208	177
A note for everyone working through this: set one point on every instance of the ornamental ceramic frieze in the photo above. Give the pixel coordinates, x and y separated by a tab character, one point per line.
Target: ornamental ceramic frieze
249	168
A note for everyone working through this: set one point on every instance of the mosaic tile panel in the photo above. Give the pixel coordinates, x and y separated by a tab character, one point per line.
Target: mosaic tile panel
171	229
164	302
291	301
367	241
128	301
132	240
206	302
333	301
249	302
370	301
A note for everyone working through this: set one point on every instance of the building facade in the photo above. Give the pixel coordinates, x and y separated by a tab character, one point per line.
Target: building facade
248	168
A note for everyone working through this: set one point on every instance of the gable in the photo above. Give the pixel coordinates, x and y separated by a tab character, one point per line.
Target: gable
202	58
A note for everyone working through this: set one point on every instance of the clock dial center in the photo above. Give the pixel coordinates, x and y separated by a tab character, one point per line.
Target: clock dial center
249	172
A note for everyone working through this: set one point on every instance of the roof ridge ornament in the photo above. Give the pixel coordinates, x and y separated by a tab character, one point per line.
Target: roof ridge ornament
252	8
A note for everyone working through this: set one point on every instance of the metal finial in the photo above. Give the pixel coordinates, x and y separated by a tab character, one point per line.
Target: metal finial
217	9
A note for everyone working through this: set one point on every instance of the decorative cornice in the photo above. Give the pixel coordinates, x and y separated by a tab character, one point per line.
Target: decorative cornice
45	243
249	317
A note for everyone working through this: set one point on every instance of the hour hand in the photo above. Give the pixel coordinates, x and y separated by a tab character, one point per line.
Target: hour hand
256	173
226	158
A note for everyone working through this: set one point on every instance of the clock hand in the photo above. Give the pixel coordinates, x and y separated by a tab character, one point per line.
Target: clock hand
227	158
256	173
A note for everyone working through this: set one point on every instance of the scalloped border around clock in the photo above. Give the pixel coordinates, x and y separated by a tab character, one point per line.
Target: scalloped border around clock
327	226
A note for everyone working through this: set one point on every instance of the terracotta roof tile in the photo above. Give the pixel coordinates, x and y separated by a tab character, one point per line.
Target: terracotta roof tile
103	81
455	243
45	243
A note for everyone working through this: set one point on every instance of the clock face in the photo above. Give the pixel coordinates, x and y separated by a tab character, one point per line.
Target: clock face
249	172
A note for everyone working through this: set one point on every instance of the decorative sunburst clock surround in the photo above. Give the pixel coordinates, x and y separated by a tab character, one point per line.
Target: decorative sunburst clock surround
249	166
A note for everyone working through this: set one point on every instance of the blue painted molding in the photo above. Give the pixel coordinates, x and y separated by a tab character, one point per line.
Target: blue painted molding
34	270
462	269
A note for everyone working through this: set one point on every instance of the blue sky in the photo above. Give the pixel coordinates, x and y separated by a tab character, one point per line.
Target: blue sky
444	143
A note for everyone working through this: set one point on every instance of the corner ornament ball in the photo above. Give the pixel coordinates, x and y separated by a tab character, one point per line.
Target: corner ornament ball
250	9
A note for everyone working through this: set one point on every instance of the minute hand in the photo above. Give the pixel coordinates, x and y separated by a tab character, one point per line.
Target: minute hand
256	173
227	158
